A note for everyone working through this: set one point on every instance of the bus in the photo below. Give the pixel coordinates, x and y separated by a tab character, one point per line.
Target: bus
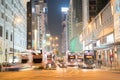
71	60
89	59
31	59
37	59
80	60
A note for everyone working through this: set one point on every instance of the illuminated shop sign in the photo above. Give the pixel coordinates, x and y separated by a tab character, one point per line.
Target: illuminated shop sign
88	56
110	38
98	43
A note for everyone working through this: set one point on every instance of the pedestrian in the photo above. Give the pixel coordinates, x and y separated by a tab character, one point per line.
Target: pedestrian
99	63
0	67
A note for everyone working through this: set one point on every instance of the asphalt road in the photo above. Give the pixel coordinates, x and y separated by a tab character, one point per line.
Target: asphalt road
61	74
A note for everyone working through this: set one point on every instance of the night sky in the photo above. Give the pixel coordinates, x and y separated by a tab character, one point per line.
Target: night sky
55	16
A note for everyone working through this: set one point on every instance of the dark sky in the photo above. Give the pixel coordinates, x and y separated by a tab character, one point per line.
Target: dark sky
55	16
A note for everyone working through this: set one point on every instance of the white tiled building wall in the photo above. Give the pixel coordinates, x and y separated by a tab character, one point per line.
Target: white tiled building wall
9	10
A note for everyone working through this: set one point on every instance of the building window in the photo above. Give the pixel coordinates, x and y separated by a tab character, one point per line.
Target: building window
40	44
29	33
29	15
29	40
0	31
92	7
92	2
12	1
6	6
2	15
40	35
11	37
15	5
2	2
6	34
6	18
12	12
29	46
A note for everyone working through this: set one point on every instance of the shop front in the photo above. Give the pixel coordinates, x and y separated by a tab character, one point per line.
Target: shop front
106	55
105	48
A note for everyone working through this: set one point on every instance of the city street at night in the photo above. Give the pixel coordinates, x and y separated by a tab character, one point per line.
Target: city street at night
61	74
59	39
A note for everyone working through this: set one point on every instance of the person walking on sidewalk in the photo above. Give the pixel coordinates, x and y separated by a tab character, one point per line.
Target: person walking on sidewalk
99	63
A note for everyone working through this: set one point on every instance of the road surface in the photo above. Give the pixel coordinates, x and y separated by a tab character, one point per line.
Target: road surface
61	74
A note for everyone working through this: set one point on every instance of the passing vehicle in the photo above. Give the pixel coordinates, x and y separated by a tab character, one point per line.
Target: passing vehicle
11	66
31	59
71	60
80	61
89	59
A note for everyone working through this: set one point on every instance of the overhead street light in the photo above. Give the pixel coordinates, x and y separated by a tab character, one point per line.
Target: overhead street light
53	41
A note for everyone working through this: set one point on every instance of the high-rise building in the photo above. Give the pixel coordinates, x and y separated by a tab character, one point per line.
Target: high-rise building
38	24
63	40
91	8
29	25
74	24
77	7
12	33
79	14
95	6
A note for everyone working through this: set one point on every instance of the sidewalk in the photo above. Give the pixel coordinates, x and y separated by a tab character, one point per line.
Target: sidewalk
111	68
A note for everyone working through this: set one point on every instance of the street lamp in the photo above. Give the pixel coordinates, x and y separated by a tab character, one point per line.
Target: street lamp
54	45
16	20
53	41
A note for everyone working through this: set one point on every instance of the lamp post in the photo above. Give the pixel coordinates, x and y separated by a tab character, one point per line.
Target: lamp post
16	20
